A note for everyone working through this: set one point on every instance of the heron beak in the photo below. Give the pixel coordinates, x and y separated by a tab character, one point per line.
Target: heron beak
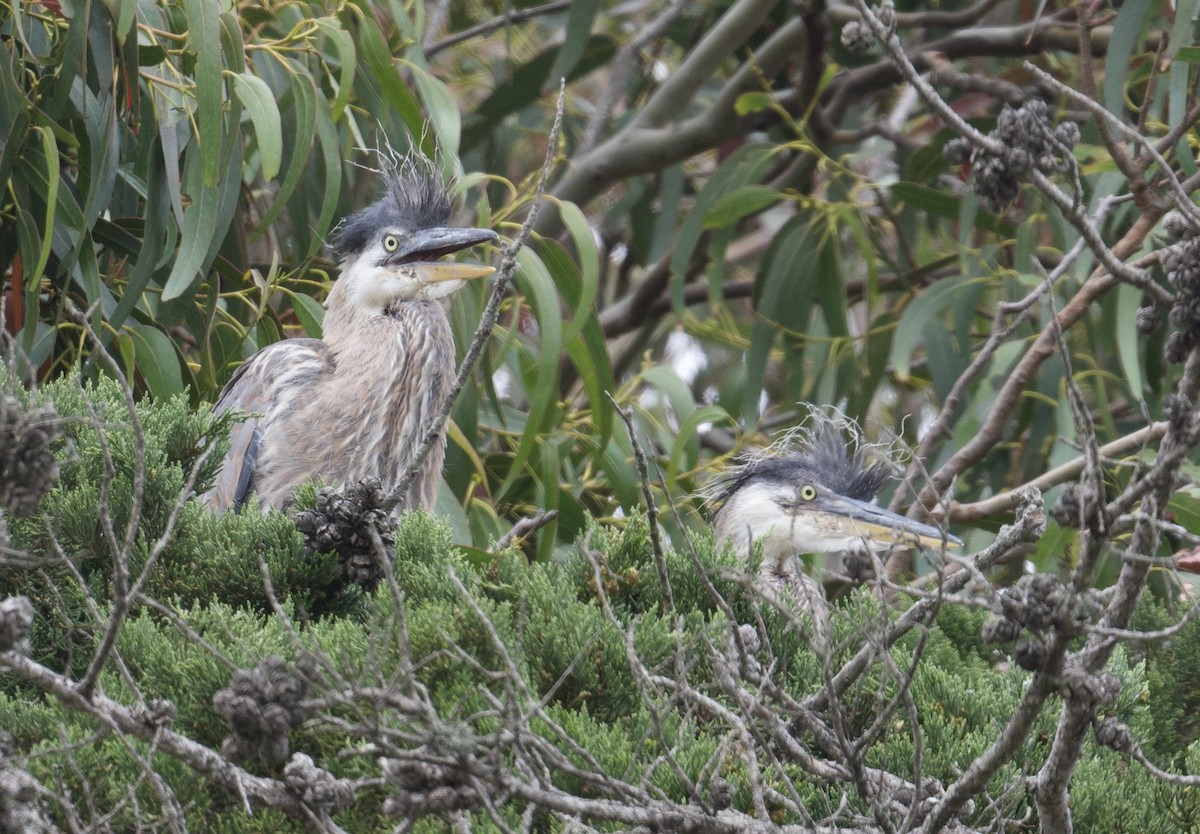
452	271
874	525
425	246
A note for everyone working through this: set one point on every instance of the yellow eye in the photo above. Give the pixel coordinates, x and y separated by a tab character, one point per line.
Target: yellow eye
390	243
808	492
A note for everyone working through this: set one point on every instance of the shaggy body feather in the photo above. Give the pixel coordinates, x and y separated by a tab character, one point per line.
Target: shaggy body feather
411	341
357	403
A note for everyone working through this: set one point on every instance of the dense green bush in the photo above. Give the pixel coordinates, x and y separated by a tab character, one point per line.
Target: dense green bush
471	631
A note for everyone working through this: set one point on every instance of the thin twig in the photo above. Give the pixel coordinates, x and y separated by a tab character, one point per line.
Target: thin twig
487	27
1068	471
524	527
660	560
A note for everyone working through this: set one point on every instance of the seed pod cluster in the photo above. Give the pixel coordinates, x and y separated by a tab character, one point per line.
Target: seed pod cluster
1181	262
342	522
28	469
263	705
1030	143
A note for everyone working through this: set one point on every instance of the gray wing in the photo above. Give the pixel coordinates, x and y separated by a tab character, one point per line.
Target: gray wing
256	388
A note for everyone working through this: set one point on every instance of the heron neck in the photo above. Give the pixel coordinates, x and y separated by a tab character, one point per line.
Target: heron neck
398	363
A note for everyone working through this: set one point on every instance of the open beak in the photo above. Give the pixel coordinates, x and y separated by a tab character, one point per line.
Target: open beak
425	246
873	525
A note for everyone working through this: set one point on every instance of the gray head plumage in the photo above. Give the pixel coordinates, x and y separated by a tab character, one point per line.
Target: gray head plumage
416	198
819	454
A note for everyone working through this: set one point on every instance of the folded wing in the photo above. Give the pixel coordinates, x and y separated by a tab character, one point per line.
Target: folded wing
276	378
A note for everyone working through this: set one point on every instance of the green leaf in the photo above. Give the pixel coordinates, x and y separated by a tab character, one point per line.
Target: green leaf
1178	92
157	211
756	102
259	101
1126	31
204	221
204	39
1185	506
548	493
946	205
156	360
670	385
298	135
49	154
1182	29
685	450
310	313
739	203
666	218
587	349
526	84
786	286
443	109
15	118
537	286
343	44
580	18
332	162
382	69
910	332
746	165
103	149
589	266
1128	339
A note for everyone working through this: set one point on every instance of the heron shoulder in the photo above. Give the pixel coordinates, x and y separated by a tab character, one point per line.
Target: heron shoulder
272	370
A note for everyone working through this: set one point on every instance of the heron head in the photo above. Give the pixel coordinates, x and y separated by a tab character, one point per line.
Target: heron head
815	497
390	250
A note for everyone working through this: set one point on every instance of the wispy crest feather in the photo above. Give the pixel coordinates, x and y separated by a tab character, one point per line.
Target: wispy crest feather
829	445
416	198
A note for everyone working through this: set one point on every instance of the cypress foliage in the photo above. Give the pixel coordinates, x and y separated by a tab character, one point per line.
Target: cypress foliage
465	624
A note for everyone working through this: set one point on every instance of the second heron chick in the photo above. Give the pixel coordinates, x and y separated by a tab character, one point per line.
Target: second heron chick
357	403
813	495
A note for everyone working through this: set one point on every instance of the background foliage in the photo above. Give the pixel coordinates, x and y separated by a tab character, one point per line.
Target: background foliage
175	169
753	204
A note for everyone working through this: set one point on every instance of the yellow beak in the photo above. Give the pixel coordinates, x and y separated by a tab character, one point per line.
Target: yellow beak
435	273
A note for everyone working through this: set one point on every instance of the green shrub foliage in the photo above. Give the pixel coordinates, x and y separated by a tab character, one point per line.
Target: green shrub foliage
478	639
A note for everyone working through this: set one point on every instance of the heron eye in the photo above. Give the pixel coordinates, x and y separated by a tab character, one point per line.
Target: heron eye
390	243
808	492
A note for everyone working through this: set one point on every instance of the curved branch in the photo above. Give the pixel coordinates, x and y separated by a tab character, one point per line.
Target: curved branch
507	19
731	31
120	718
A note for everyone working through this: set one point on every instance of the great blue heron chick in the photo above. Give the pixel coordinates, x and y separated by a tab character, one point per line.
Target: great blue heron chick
357	402
813	495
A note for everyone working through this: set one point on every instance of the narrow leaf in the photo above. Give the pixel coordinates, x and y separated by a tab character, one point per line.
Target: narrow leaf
910	332
739	203
156	360
204	39
259	101
343	44
1126	30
